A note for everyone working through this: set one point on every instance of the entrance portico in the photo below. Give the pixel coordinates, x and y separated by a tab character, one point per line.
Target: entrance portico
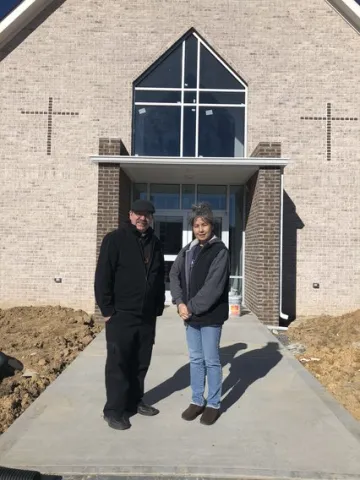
244	194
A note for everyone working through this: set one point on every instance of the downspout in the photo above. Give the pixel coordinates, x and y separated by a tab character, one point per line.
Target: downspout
283	315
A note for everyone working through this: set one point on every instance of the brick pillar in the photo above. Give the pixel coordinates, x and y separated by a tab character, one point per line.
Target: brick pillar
114	191
267	150
262	254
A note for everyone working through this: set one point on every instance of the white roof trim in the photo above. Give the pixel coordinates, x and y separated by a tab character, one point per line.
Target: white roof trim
21	16
349	10
188	161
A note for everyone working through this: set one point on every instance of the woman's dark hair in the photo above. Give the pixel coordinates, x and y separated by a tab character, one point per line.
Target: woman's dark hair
202	210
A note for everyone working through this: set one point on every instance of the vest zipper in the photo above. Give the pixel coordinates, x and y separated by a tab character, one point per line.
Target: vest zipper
192	268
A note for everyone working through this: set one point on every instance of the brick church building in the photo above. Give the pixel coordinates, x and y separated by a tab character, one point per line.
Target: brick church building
253	106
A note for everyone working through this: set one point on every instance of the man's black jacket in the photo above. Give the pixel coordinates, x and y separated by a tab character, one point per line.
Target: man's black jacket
127	279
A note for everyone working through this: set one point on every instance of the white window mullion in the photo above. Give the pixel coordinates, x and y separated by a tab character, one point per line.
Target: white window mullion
214	105
182	101
226	90
220	60
245	126
156	89
197	99
159	104
178	104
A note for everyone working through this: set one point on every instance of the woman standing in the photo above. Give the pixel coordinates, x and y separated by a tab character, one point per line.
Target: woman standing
199	283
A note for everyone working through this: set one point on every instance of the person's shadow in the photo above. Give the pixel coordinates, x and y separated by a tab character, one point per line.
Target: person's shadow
245	369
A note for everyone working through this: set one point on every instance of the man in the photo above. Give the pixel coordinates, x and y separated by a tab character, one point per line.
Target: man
130	292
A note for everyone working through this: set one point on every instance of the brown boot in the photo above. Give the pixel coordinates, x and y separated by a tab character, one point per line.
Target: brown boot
192	412
210	416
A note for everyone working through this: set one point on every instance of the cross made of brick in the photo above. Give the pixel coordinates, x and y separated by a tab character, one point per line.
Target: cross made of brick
329	119
50	113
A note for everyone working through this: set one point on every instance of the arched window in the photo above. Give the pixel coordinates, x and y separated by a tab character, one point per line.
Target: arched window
189	104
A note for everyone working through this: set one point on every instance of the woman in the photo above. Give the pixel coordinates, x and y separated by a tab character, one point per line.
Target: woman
199	283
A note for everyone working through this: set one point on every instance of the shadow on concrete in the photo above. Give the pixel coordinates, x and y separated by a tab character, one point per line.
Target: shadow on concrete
245	369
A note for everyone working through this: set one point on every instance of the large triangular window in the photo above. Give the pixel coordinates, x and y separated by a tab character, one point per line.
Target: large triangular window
189	104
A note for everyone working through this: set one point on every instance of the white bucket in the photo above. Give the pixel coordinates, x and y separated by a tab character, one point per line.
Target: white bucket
234	305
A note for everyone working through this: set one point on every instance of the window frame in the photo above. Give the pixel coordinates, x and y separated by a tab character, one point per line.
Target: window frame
197	105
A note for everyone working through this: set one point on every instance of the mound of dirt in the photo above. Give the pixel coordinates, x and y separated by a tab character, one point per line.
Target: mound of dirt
332	354
45	340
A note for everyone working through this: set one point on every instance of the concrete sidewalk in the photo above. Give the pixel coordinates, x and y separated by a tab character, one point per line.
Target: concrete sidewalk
278	422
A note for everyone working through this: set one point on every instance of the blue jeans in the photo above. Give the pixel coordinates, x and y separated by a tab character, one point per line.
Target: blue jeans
203	344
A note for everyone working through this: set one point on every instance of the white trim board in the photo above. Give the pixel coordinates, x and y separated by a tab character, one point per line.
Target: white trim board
349	10
19	18
188	161
209	171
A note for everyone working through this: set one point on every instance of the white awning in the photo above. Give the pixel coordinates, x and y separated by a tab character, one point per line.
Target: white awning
216	171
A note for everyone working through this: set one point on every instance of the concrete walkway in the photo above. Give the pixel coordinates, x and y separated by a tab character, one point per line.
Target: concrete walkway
278	422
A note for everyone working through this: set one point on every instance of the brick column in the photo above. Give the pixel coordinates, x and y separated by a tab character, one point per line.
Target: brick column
262	254
114	191
108	200
267	150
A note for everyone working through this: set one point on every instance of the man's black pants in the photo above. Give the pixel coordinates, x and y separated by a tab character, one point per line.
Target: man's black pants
130	342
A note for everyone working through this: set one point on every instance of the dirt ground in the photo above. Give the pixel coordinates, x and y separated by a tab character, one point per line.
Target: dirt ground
332	354
45	340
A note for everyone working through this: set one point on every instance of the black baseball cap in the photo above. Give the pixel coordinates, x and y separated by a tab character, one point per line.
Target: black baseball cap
142	206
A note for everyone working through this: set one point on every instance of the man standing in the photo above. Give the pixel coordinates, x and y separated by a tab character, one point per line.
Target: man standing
130	292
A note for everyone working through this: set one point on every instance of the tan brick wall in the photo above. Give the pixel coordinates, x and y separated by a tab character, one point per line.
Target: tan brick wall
86	56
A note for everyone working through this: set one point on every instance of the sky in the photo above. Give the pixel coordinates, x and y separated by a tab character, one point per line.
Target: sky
7	5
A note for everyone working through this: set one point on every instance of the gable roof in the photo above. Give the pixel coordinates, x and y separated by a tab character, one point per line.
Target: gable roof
19	17
25	11
349	10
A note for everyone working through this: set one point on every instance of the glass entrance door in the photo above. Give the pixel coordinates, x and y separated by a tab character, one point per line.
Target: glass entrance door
173	234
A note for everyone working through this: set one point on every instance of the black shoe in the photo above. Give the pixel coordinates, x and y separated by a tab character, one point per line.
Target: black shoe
121	423
192	412
147	410
210	416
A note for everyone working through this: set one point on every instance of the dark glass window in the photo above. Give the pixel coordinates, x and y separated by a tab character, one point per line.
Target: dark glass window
171	130
165	196
166	74
222	97
221	132
157	131
215	195
236	237
191	46
139	191
189	97
189	132
213	74
188	196
157	96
